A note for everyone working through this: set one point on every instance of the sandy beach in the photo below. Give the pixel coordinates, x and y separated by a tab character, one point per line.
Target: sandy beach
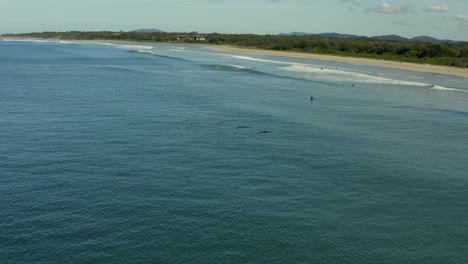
373	62
454	71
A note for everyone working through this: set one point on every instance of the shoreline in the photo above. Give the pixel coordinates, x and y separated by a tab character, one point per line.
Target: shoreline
408	66
426	68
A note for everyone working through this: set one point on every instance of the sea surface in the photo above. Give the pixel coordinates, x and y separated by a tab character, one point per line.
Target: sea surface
140	153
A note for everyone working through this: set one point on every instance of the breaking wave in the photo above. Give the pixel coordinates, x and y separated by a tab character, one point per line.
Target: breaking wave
29	40
134	47
253	70
44	41
118	68
237	68
101	43
152	53
341	75
355	77
441	88
330	75
70	42
181	49
257	59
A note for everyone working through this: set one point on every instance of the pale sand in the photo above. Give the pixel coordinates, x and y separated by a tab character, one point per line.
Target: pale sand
372	62
454	71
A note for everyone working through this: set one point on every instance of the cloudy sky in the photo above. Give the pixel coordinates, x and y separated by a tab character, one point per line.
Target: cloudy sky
409	18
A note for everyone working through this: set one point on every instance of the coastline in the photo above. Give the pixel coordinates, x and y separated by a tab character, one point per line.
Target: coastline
426	68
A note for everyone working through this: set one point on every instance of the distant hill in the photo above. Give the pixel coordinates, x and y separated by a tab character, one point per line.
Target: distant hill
329	35
396	38
389	38
338	35
295	34
147	30
417	39
432	40
426	39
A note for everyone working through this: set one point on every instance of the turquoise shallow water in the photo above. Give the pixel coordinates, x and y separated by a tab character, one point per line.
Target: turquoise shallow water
134	153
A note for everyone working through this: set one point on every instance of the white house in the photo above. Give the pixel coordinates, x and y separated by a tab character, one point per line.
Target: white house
198	37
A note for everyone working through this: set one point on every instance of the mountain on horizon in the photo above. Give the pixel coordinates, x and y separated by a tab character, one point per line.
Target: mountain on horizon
392	37
147	30
328	34
426	39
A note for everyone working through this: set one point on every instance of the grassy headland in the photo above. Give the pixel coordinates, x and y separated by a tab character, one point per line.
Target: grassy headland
446	54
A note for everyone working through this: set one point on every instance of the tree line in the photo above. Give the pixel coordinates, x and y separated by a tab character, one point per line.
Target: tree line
449	53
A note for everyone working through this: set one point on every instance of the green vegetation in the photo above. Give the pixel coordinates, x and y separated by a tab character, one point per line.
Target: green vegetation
449	54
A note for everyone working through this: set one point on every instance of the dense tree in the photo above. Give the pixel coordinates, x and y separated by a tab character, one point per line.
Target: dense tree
452	54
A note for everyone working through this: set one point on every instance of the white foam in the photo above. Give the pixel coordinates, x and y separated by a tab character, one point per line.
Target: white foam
355	77
331	74
257	59
135	47
341	75
145	51
43	41
441	88
28	40
238	66
100	43
70	42
178	50
40	41
104	43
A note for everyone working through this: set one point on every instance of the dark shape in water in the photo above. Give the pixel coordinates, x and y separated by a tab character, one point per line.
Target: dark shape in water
191	122
241	127
263	132
311	98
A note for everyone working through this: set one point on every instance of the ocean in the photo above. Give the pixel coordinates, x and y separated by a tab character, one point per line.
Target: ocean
142	153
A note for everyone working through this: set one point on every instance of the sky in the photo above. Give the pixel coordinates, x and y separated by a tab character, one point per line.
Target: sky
444	19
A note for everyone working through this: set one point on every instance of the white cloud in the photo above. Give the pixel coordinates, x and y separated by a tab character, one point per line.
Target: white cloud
350	1
437	8
462	21
386	8
249	6
404	24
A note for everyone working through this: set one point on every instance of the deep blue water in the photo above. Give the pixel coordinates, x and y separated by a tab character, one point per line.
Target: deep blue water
127	154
